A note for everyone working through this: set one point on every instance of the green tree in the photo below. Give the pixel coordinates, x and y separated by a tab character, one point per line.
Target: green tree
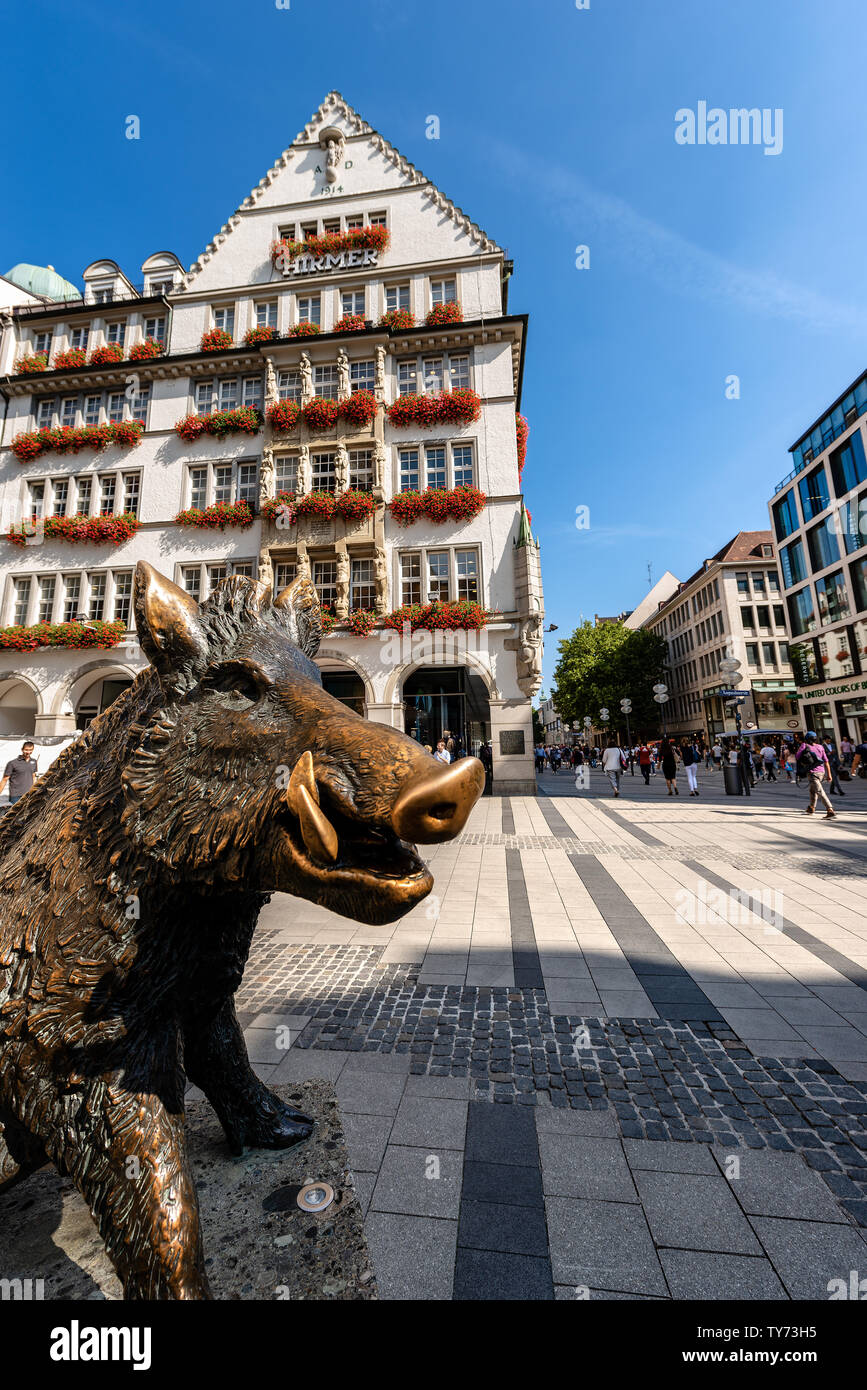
598	666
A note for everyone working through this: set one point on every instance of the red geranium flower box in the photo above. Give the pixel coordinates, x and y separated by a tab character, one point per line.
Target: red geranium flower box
32	364
359	409
355	505
76	635
437	504
522	431
259	335
351	323
217	517
445	313
68	361
320	504
106	355
146	350
283	502
397	319
463	614
283	416
320	413
358	239
66	440
215	340
360	622
304	329
247	419
459	407
81	530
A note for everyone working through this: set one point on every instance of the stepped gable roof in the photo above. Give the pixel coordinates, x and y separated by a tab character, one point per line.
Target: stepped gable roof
334	105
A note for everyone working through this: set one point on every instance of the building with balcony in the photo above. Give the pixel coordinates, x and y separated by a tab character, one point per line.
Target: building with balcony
731	606
332	389
819	516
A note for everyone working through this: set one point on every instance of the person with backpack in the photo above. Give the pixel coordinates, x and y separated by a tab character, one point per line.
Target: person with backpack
812	763
554	759
690	762
614	763
769	758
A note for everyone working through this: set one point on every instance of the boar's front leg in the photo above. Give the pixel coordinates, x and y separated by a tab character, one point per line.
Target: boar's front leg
127	1156
215	1060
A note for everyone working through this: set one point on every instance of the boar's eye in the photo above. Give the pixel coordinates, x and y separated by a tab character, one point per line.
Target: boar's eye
236	686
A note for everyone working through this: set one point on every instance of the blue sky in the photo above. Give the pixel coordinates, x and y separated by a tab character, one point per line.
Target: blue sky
557	130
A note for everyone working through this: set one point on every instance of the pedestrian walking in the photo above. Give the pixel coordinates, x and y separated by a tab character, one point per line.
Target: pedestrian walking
769	758
644	762
834	768
689	758
554	759
614	762
812	761
668	758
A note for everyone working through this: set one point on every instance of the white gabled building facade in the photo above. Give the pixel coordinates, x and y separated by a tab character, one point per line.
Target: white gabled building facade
337	177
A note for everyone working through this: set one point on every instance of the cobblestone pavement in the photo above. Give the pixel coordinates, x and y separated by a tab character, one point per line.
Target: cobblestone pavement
625	1055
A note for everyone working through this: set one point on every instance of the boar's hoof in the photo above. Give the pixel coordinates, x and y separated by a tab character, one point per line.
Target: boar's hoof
271	1124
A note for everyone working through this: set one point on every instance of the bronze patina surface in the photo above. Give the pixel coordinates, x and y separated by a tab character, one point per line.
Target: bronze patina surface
131	878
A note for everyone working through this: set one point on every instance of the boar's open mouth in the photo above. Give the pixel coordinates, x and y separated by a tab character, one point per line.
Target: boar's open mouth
327	843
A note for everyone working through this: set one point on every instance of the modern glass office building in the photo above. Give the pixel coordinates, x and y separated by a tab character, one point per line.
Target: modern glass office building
819	517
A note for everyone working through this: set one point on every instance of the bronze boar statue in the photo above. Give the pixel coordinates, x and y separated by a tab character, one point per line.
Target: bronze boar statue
131	878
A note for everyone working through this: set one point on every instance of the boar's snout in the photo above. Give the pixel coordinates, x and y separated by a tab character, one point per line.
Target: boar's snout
436	804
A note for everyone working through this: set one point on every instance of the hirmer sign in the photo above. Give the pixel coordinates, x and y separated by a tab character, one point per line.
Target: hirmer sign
309	265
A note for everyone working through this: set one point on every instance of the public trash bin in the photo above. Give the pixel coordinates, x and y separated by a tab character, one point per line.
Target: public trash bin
732	779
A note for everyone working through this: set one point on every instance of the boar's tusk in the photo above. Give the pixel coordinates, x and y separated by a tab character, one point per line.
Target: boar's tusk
319	834
302	776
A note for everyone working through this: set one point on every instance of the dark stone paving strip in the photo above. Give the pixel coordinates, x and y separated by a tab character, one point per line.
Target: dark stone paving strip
508	818
638	831
670	988
560	828
827	954
502	1250
525	953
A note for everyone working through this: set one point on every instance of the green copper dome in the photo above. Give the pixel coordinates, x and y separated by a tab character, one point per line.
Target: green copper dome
42	280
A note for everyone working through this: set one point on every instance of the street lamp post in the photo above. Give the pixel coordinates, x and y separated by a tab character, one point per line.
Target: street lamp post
660	695
626	707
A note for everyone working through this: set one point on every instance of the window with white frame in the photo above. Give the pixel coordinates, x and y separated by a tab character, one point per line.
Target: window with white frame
438	576
199	488
322	472
131	492
467	574
78	337
410	577
114	407
331	226
325	382
378	219
443	291
396	297
102	296
409	470
362	376
107	489
361	469
351	302
435	474
289	385
224	318
242	567
96	596
362	585
44	413
139	404
122	595
191	578
68	411
432	374
308	230
20	601
407	377
155	328
458	370
227	393
45	608
116	332
286	473
216	574
42	343
36	496
223	482
92	405
161	286
463	473
325	581
71	596
59	496
354	221
308	309
248	487
266	313
284	573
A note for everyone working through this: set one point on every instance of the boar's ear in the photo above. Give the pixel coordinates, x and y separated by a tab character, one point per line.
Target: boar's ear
300	603
168	627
